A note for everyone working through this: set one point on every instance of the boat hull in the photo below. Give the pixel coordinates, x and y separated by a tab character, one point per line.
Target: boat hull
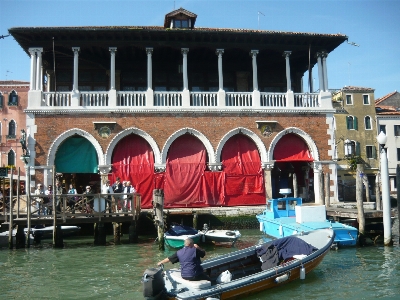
345	235
177	242
222	236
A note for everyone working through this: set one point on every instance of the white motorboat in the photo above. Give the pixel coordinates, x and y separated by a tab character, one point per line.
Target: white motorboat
220	235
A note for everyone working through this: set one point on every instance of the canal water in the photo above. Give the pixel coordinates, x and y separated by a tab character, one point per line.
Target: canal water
83	271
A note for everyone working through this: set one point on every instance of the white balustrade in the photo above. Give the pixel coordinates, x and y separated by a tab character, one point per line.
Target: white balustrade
94	99
203	98
167	99
57	98
238	99
131	99
273	99
306	100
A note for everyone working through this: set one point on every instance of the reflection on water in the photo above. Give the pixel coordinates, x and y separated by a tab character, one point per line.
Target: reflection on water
83	271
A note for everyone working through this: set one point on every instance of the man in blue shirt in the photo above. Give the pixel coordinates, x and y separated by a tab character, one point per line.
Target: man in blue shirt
189	258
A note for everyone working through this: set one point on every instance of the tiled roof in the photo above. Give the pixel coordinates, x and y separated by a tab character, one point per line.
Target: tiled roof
13	82
179	11
386	110
357	89
377	101
161	28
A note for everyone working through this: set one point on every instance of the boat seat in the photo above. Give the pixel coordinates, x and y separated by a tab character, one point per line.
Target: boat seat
198	285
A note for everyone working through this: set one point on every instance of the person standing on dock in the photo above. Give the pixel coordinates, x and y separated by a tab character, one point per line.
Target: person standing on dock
72	200
128	189
88	199
189	258
47	201
39	200
58	192
108	190
118	188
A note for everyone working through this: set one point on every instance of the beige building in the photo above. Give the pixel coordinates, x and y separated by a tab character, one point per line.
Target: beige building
355	138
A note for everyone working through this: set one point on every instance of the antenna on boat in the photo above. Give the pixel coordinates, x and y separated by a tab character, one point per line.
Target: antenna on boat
258	15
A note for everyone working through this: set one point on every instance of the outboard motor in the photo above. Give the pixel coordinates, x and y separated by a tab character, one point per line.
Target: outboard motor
153	283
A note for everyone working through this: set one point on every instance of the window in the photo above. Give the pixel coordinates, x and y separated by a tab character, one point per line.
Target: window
398	154
396	130
352	122
11	158
349	100
382	128
368	125
371	152
11	130
366	99
1	101
181	24
13	99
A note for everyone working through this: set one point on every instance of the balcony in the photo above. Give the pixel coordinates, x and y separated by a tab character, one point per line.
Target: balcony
185	100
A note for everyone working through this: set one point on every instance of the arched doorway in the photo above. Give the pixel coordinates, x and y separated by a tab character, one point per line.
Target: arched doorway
133	160
184	174
241	164
76	159
292	156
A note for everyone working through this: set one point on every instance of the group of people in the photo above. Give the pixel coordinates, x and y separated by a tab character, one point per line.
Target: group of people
120	191
123	202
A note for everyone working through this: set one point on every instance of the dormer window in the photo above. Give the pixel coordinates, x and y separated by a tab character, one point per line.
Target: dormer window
180	18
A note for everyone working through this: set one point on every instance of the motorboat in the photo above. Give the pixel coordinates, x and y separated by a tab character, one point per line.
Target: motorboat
177	234
47	232
287	216
220	235
4	238
240	273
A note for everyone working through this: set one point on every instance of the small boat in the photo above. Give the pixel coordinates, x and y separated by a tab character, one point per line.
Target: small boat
220	235
47	232
287	216
177	234
4	238
246	271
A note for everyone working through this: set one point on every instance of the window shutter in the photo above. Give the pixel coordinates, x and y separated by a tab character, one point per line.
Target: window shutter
373	152
347	122
355	123
358	150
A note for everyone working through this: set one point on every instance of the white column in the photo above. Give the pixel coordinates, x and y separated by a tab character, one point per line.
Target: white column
32	52
39	68
254	53
320	72
325	70
286	54
76	50
149	52
185	74
112	68
317	183
219	52
48	83
387	236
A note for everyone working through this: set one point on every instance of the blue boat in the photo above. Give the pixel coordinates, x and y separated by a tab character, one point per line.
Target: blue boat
287	216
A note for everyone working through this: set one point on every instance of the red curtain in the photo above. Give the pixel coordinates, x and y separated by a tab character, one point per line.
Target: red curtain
133	160
292	148
244	181
185	167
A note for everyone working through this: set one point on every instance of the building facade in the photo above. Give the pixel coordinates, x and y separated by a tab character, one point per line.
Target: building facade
215	117
388	121
355	139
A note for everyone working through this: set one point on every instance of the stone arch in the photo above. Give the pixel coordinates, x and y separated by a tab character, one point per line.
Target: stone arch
254	137
305	136
126	132
62	137
198	134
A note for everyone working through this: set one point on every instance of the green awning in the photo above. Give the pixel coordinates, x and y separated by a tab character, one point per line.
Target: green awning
76	155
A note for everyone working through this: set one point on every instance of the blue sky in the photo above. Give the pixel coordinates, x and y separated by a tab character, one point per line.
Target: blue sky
373	25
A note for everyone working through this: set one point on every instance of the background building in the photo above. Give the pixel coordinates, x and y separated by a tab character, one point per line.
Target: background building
355	138
388	120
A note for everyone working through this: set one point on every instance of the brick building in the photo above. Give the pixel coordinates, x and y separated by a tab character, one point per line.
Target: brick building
215	117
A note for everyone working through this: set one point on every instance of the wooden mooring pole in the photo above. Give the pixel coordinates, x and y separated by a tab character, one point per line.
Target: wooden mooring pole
158	204
117	232
360	205
398	201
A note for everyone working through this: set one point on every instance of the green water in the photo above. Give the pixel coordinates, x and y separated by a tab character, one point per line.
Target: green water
83	271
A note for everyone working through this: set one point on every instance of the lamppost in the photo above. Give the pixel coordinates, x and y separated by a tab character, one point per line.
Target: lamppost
387	236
